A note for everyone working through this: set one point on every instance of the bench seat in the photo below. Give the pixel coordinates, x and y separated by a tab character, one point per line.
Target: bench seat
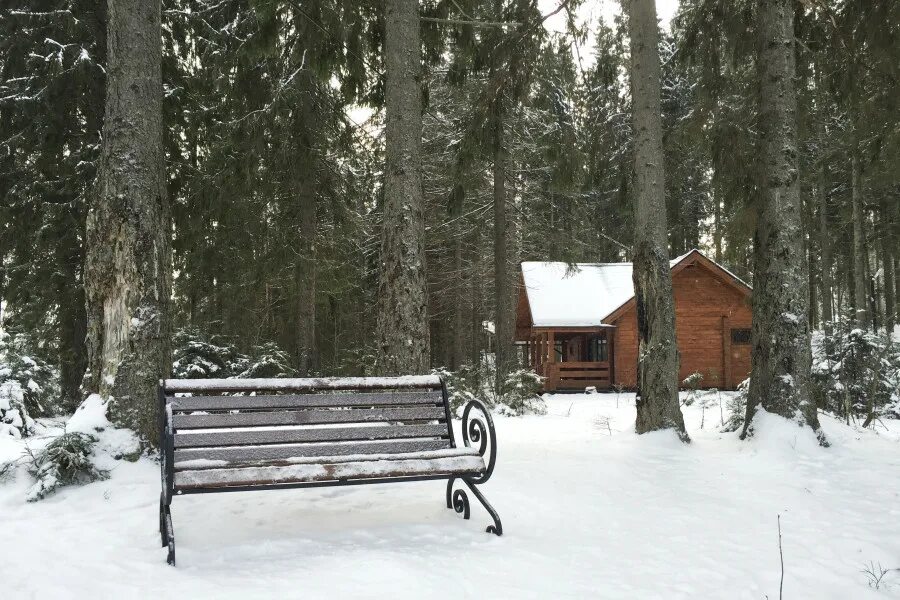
206	473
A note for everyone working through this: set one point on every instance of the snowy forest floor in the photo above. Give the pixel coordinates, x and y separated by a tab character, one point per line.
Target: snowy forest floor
589	509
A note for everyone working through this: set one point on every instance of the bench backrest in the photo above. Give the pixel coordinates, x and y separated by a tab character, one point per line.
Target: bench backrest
289	418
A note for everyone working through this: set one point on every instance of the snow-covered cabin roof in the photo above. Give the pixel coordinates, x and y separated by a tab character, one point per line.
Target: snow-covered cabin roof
583	296
578	297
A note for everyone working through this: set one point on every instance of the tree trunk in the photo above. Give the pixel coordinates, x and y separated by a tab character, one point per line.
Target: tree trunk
72	328
457	354
825	246
402	320
657	400
128	276
781	356
503	307
860	257
717	150
307	355
887	266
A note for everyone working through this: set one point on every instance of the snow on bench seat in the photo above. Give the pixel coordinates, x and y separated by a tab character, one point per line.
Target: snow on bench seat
206	474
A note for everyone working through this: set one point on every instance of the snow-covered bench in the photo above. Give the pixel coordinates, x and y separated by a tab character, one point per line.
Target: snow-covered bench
226	435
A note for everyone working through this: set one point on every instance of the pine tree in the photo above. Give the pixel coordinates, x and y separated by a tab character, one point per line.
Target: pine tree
657	400
780	333
402	327
128	270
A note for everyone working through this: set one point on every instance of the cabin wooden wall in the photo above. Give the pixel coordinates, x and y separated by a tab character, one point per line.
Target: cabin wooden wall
706	309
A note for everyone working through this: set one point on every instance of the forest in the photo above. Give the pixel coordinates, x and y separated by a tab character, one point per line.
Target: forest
248	190
278	232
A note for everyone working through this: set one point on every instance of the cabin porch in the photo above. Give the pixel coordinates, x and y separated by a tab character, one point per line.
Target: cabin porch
571	358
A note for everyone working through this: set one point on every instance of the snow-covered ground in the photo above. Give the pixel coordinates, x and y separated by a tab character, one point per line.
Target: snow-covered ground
589	509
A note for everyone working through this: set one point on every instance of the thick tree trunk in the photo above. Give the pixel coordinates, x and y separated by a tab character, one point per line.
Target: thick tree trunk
503	307
402	328
657	400
781	355
860	257
128	276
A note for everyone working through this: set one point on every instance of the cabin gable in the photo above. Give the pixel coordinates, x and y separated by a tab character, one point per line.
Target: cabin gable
711	310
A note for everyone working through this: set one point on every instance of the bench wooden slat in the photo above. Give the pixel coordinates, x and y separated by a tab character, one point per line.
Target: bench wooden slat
305	400
308	417
255	454
329	471
260	437
307	384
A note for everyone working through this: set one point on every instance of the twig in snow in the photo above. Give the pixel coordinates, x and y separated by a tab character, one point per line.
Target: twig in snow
781	555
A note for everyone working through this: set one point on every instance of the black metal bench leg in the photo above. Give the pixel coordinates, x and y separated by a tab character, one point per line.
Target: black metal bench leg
497	527
162	521
450	492
170	536
459	501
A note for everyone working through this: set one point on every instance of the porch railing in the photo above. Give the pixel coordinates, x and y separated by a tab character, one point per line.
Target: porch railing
576	375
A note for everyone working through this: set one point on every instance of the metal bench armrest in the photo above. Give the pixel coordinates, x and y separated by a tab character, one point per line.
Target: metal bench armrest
479	429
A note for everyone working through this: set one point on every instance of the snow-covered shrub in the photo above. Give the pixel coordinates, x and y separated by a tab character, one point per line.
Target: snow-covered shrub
461	386
197	357
691	384
66	460
521	394
14	418
267	360
856	373
737	407
37	380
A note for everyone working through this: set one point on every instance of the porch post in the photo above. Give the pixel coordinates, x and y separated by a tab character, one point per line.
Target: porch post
611	354
551	347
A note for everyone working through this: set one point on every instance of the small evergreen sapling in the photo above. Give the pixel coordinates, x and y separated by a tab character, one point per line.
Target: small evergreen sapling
67	460
14	418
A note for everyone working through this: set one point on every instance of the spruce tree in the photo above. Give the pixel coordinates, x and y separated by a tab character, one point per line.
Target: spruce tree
128	272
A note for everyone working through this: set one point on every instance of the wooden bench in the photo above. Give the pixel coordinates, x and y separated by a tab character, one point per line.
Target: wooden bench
228	435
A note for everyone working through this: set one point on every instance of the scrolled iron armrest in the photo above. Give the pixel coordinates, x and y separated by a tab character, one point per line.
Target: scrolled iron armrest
479	429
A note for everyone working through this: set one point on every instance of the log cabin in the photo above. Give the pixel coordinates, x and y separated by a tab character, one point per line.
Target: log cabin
576	325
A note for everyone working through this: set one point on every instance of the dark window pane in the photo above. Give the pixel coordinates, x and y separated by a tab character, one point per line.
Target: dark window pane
740	336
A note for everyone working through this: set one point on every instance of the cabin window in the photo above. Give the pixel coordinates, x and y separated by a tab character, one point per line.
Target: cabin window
740	336
598	349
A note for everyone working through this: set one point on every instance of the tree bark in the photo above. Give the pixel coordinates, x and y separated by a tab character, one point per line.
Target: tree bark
825	245
860	257
781	356
657	399
458	336
503	307
128	277
402	321
306	276
72	326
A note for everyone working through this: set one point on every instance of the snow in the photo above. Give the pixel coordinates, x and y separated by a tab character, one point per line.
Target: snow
589	510
285	383
90	418
580	295
307	470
